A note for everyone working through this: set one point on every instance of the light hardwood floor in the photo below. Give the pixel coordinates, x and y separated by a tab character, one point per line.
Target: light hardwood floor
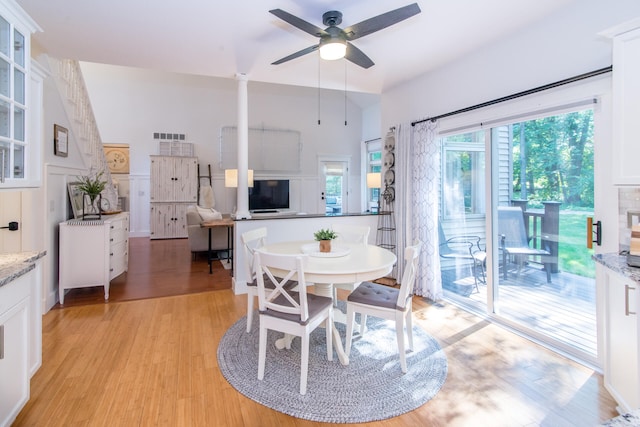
153	362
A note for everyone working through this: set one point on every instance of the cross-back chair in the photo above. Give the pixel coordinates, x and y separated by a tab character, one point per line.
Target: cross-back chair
358	234
373	299
285	310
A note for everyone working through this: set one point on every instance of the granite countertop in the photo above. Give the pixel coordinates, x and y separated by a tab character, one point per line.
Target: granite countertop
16	264
618	263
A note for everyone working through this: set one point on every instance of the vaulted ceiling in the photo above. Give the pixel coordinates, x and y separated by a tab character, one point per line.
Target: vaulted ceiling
222	38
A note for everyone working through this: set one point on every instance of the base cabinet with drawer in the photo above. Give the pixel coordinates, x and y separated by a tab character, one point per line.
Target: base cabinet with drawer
621	343
92	253
20	341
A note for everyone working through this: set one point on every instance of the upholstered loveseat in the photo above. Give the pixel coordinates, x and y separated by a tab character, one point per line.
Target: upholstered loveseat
199	237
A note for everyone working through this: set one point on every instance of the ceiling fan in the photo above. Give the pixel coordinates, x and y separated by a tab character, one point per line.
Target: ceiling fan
335	41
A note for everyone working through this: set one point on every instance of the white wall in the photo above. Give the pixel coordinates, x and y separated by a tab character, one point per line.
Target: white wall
131	104
561	46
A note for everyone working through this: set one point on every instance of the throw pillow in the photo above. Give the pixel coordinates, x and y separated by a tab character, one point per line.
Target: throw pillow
208	214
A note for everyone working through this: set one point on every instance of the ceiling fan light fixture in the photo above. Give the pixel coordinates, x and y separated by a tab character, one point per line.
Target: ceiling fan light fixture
332	49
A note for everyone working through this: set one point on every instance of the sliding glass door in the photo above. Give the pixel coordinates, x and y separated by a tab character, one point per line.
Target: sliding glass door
515	197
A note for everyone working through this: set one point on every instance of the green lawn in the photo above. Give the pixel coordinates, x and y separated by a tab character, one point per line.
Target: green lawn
574	256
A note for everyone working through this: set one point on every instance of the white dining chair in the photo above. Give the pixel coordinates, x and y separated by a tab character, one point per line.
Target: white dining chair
373	299
358	234
252	240
291	312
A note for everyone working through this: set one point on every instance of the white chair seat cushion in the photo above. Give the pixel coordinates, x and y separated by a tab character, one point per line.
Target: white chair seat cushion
316	304
374	294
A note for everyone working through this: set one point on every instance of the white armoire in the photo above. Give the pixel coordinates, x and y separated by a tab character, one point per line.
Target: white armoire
174	186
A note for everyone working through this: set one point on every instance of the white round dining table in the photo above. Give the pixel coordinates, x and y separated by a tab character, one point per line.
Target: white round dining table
350	263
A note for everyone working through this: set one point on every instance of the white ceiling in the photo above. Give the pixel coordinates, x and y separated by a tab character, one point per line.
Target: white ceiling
222	38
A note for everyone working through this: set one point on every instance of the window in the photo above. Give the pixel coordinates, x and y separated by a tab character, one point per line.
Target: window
373	164
463	180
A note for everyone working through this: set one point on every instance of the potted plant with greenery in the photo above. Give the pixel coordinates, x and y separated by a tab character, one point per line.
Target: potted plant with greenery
92	186
325	236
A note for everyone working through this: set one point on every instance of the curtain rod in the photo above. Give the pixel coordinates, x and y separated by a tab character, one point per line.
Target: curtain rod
520	94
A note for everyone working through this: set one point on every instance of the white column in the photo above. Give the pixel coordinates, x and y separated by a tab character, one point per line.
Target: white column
243	149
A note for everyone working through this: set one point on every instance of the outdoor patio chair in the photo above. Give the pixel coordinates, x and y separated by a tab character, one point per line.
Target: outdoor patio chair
465	248
514	242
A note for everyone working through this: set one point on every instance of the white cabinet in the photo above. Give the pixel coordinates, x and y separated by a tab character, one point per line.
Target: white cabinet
621	343
174	179
20	342
168	220
174	186
92	253
626	102
21	106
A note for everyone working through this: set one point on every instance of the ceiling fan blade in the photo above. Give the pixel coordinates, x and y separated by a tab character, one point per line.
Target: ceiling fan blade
357	56
298	54
299	23
379	22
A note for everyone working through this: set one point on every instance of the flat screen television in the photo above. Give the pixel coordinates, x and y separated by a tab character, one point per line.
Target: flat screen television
269	194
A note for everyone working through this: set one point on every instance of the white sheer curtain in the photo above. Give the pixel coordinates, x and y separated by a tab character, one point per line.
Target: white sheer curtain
417	183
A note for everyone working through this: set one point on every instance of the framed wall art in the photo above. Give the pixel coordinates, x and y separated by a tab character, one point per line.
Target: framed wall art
60	141
75	198
117	157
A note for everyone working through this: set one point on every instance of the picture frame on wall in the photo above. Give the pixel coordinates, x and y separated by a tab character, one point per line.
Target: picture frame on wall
60	141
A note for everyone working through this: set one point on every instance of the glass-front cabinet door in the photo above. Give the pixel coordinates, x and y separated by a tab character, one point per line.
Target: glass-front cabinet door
18	148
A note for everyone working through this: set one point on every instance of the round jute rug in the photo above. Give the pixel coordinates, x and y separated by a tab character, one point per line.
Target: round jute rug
372	387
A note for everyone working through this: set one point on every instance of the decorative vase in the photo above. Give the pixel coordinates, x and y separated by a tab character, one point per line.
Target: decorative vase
91	206
325	245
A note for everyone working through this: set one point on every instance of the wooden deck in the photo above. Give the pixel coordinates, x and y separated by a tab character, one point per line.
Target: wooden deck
563	310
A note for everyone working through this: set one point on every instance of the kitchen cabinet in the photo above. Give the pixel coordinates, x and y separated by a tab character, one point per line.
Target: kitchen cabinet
21	89
174	186
626	101
621	343
20	334
92	253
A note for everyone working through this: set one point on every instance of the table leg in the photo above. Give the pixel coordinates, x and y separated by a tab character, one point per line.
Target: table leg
209	254
326	290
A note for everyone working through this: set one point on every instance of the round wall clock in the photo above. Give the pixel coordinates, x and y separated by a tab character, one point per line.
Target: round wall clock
117	159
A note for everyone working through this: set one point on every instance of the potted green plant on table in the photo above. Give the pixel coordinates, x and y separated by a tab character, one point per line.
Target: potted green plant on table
325	236
91	186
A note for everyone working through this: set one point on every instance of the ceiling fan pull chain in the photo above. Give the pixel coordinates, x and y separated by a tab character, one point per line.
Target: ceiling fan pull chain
318	92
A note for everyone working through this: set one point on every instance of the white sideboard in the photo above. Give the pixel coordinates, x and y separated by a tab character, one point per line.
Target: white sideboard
92	253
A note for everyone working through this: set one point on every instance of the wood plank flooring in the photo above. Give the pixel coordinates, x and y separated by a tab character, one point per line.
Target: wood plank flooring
153	362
